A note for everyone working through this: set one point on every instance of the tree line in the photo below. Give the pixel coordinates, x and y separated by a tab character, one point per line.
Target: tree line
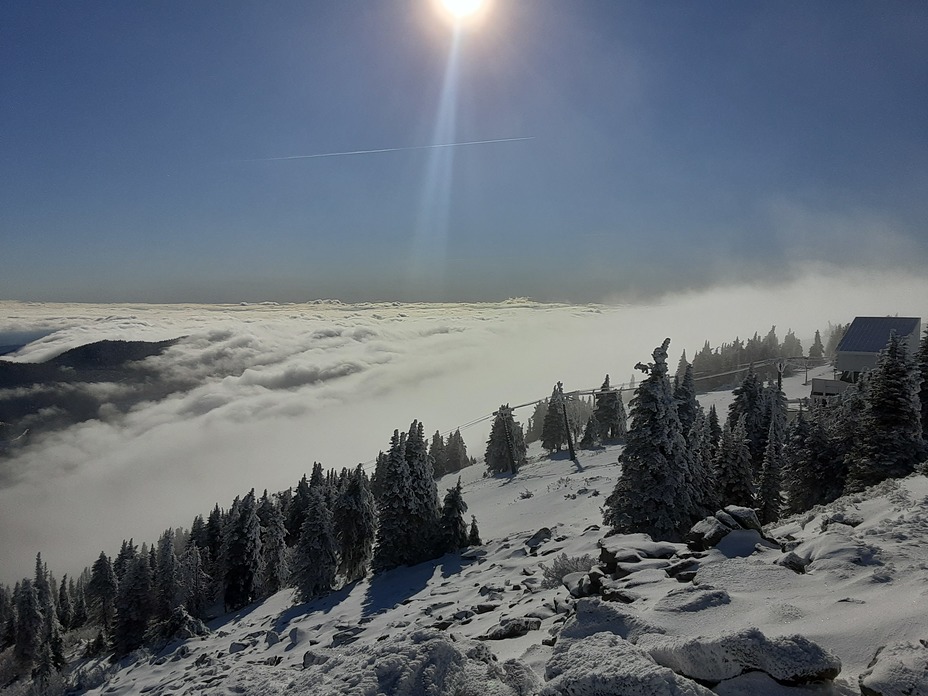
326	532
679	465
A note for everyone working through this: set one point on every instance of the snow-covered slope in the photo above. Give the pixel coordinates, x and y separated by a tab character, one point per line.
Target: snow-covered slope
435	628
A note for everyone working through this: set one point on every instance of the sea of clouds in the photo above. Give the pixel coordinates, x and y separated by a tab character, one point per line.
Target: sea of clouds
258	392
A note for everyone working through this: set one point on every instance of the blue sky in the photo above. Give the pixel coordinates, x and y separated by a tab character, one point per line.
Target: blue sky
673	146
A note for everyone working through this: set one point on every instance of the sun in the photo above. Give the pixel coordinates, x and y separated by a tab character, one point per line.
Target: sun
461	10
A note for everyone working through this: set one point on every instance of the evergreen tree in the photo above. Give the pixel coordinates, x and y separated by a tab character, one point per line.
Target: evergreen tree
101	592
703	494
80	617
455	453
733	470
770	493
380	468
167	593
273	546
198	535
891	443
473	536
610	414
6	616
554	428
453	527
800	480
750	404
296	513
681	369
195	580
317	478
214	532
437	453
355	526
29	623
817	351
241	553
506	450
126	553
685	397
921	364
792	346
134	607
715	429
9	628
592	436
315	561
392	507
650	495
536	422
425	509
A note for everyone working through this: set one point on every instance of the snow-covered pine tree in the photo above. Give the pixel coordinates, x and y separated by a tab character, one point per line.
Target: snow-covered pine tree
241	553
214	533
921	365
800	481
100	592
29	622
127	552
315	562
167	593
134	607
733	470
296	512
453	526
650	495
703	494
715	429
817	351
455	454
355	526
536	422
275	571
390	550
791	346
770	495
610	413
750	402
681	368
8	628
80	603
425	508
554	428
195	581
6	613
891	443
506	450
685	397
473	536
437	453
592	437
317	478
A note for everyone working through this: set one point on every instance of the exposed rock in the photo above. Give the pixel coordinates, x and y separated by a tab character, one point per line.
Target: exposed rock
744	516
795	563
792	659
512	628
236	647
592	615
485	607
604	664
692	598
578	584
898	669
726	519
346	636
537	539
271	638
311	657
707	533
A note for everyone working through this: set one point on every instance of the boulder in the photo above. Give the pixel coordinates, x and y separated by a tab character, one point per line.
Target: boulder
537	539
899	669
578	584
692	598
706	533
794	562
744	516
592	615
604	664
711	659
512	628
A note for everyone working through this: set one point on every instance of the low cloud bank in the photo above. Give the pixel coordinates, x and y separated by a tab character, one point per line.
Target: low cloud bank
260	392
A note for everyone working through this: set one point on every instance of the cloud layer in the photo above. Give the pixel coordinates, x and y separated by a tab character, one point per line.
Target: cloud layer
260	392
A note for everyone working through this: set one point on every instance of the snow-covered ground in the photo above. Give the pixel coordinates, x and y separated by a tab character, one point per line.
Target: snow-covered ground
417	630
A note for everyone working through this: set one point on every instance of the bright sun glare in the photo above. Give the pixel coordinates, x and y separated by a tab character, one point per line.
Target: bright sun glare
461	9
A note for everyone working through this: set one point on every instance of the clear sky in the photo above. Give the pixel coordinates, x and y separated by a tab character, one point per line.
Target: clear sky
667	145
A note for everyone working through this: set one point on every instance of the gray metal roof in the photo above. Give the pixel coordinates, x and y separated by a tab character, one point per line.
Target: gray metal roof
871	334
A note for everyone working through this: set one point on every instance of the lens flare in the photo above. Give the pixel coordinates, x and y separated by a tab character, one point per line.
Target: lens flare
462	8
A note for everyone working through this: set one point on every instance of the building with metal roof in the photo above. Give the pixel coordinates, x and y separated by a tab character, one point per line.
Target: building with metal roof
867	336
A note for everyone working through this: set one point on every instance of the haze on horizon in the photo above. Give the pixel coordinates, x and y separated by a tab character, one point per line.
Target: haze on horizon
642	149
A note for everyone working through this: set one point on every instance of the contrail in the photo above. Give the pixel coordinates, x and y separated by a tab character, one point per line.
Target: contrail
387	149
